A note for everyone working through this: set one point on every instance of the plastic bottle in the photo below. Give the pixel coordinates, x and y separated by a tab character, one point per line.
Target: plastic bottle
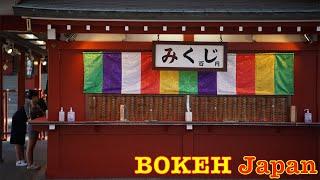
71	115
61	115
307	116
47	114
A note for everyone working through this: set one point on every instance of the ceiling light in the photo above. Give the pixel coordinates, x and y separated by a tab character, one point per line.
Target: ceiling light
8	48
39	42
28	36
36	63
44	63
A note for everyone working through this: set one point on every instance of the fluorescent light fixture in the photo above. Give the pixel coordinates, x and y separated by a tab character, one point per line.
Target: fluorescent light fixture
28	36
39	42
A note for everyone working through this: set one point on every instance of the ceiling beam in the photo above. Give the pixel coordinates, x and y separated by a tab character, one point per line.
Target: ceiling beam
23	43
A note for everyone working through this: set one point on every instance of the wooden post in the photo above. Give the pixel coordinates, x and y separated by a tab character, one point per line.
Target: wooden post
188	137
21	79
318	84
318	96
1	99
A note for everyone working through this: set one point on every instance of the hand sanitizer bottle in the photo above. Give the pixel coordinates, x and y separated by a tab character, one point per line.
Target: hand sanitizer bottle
61	115
71	115
307	116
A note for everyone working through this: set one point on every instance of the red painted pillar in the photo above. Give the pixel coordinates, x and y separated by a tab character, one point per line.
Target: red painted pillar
318	96
53	108
318	84
188	136
21	79
53	80
1	99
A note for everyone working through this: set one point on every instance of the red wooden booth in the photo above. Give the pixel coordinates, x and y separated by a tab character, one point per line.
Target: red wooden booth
99	145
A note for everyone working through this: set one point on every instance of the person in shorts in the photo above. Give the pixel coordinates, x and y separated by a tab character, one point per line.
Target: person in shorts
18	135
35	112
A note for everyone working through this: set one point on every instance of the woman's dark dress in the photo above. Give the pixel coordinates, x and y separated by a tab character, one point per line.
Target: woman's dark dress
19	127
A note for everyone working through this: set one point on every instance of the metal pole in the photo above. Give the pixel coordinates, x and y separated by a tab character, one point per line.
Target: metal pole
5	114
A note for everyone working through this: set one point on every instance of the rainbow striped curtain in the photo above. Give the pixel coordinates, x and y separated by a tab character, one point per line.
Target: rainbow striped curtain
132	73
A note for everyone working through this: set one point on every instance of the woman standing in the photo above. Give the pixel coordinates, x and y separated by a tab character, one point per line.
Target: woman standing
18	135
35	112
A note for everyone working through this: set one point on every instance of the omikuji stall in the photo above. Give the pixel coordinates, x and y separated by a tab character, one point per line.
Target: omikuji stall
126	107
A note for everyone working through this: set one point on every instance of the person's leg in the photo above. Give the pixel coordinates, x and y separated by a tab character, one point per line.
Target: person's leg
31	144
22	153
17	149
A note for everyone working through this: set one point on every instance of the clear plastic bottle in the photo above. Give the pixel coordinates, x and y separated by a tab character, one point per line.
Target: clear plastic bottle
71	115
61	115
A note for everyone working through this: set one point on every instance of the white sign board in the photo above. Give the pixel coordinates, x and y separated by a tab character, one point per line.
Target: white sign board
189	56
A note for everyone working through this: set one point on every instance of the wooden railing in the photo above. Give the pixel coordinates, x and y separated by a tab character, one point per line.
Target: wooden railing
101	107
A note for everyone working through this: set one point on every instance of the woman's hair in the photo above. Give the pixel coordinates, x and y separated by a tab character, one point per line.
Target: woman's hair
31	93
34	102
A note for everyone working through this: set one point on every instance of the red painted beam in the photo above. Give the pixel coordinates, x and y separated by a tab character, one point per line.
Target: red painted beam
13	23
147	46
174	27
16	23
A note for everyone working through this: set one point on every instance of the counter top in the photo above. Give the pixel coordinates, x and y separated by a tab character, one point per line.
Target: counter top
43	121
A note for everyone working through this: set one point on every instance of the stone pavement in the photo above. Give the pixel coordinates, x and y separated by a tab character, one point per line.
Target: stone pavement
9	171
